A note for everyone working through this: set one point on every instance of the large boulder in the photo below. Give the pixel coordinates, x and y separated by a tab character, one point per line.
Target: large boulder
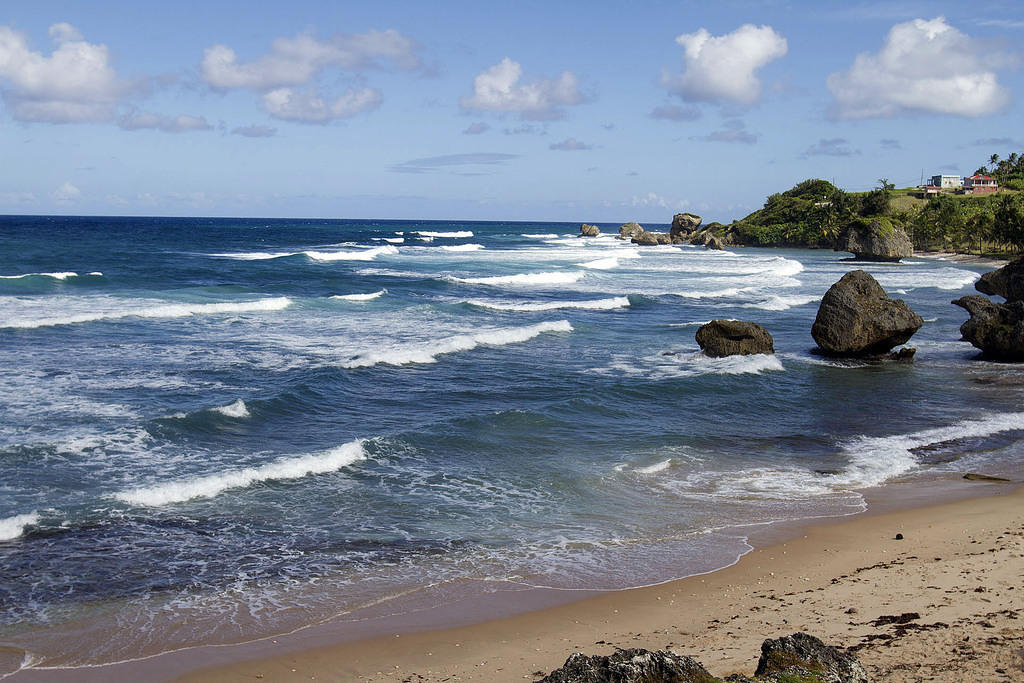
714	242
875	240
684	223
996	329
734	338
630	230
646	239
857	318
589	230
630	666
801	654
1007	282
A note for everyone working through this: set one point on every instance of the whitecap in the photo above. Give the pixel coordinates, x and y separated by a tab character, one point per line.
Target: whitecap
655	468
163	311
601	263
454	233
390	240
215	484
462	247
55	276
427	352
591	305
361	297
238	410
360	255
781	303
524	279
543	236
13	527
711	293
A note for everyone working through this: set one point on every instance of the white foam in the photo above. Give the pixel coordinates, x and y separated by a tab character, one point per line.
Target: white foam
360	255
524	279
455	233
601	263
781	303
257	255
215	484
873	460
163	311
711	293
655	468
391	240
361	297
462	247
238	410
947	279
427	352
55	276
691	364
13	527
592	305
543	236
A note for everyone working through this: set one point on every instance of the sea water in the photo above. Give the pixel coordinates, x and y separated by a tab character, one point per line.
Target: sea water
214	430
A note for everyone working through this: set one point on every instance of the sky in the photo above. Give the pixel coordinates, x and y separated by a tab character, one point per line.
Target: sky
551	111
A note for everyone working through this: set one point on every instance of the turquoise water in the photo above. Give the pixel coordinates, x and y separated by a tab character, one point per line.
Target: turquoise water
217	429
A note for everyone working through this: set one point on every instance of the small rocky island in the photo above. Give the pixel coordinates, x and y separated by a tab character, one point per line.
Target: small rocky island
997	329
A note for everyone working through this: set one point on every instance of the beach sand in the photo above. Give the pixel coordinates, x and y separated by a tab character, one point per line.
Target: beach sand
942	603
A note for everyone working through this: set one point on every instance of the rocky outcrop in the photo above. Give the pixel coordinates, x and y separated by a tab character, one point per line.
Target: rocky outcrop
630	230
720	338
646	239
857	318
684	223
875	239
714	242
996	329
1007	282
634	665
807	653
587	230
799	658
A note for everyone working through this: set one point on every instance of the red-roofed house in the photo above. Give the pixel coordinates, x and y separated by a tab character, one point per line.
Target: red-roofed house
980	184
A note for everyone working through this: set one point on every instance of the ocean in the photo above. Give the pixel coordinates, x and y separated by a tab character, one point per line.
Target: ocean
216	430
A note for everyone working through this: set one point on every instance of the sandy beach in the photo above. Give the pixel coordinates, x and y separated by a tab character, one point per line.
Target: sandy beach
940	603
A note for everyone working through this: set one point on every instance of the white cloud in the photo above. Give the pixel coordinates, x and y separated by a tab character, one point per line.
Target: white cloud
296	61
924	66
168	124
308	106
674	113
733	130
66	194
476	128
830	147
655	200
722	68
255	131
498	88
569	145
76	83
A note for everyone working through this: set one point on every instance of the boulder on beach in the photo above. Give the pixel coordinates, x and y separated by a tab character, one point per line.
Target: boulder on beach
587	230
684	223
802	652
875	239
633	665
857	318
1007	282
630	230
720	338
996	329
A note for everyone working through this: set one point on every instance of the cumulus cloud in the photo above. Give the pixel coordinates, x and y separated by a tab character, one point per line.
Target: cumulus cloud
830	147
309	106
674	113
431	164
255	131
144	120
476	128
733	130
652	199
924	66
76	83
569	145
501	88
66	194
723	68
295	61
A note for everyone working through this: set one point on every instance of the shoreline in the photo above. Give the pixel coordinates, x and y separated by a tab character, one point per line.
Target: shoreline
523	632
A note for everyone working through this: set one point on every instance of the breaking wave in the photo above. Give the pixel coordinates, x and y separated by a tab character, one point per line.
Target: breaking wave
592	305
163	311
524	279
13	527
238	410
361	297
454	233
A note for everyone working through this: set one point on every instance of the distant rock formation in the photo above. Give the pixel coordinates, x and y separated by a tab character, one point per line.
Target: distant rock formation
996	329
1007	282
630	230
875	239
720	338
798	658
684	223
714	242
587	230
646	239
857	318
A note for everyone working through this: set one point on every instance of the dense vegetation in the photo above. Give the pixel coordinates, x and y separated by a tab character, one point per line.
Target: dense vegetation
814	212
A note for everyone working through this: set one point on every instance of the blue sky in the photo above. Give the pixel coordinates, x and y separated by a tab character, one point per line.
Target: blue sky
576	111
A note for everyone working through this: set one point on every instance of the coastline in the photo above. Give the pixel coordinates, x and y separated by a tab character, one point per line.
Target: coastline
801	576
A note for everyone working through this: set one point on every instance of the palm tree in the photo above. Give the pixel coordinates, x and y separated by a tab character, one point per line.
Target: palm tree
993	161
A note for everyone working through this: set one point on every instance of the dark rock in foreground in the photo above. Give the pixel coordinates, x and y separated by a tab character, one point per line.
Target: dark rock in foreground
1007	282
996	329
875	240
587	230
629	666
805	652
720	338
857	319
